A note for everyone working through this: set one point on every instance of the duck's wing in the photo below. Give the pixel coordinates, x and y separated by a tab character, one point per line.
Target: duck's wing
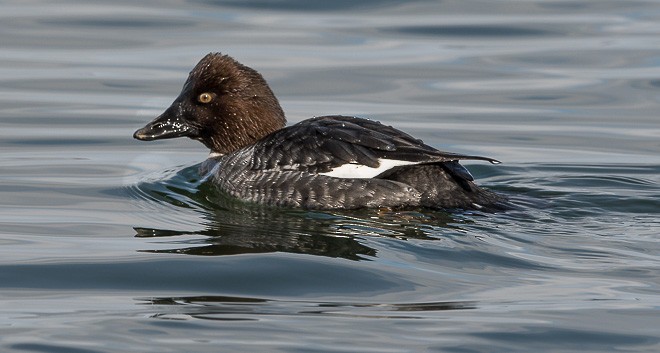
347	147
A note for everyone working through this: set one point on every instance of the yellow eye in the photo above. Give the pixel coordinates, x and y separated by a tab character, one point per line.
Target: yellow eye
205	97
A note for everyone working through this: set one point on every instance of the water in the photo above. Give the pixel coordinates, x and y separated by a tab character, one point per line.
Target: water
112	245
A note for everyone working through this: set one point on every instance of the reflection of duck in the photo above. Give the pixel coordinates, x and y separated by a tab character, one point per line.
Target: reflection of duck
253	231
328	162
221	242
215	307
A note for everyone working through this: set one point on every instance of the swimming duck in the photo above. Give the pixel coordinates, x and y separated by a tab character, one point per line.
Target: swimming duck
326	162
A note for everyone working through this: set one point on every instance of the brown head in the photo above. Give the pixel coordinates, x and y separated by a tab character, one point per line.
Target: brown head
224	104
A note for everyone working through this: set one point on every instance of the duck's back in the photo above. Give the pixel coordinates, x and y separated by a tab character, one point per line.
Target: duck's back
346	162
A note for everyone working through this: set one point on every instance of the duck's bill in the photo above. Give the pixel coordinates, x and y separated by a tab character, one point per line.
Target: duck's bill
164	127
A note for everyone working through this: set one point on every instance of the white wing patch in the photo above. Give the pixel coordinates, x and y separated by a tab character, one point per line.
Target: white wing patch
361	171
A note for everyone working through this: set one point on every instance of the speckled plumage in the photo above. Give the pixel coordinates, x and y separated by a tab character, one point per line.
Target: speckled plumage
262	161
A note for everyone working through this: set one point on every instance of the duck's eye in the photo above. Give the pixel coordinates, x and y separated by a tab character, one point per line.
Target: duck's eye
205	97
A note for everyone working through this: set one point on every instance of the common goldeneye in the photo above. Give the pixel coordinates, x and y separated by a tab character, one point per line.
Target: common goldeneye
327	162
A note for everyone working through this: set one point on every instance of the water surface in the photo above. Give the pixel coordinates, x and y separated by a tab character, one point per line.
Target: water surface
111	245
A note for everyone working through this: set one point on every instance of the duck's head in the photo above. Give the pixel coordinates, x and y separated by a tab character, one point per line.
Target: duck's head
223	104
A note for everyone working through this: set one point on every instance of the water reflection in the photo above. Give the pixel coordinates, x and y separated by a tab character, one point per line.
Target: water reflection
247	308
229	242
232	227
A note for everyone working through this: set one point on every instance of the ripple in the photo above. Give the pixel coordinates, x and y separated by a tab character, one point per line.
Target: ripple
122	23
247	308
302	5
477	31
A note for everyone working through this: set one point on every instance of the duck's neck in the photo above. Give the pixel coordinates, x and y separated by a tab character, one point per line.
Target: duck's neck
245	126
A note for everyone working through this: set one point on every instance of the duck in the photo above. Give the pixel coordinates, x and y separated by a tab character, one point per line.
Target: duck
325	162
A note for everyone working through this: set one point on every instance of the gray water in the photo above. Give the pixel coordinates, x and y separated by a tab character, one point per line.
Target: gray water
108	244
